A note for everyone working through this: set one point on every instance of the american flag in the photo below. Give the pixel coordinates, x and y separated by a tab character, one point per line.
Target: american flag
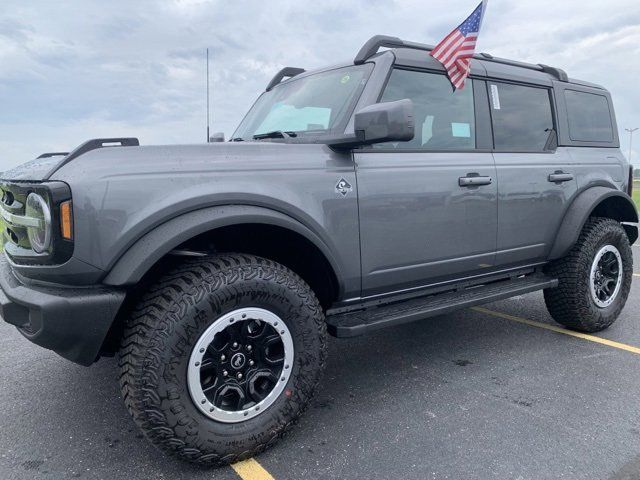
457	48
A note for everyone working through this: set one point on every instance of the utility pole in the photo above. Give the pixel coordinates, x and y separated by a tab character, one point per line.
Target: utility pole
630	130
208	117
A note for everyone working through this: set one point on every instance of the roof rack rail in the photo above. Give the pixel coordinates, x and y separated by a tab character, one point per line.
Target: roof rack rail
556	72
53	154
286	72
372	45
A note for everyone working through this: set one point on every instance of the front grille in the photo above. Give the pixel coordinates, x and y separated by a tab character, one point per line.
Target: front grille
12	211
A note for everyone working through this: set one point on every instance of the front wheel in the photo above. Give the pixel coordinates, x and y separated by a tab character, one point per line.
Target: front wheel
221	357
594	278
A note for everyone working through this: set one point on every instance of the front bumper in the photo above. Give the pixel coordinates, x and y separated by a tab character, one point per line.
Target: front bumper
72	322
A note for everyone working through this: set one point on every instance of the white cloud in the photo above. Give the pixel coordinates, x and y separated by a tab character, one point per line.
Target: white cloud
74	70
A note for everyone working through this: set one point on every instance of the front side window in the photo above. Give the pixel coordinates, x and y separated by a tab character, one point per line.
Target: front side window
522	117
444	119
589	117
317	104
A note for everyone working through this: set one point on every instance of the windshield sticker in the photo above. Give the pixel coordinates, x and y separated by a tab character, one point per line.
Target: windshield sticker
461	130
495	96
345	79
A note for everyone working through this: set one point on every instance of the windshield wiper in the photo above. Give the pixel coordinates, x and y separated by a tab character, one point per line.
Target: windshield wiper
275	134
237	139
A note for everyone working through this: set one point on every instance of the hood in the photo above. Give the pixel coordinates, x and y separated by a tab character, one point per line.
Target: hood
169	160
186	160
34	170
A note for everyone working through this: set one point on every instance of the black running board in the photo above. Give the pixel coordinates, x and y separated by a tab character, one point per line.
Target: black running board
359	322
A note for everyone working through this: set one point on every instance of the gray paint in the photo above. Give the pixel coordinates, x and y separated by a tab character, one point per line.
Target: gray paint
121	194
418	225
530	208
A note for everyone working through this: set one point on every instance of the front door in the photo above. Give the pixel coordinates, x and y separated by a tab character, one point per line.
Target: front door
428	207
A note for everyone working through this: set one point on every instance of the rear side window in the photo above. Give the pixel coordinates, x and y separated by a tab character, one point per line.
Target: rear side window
522	117
589	117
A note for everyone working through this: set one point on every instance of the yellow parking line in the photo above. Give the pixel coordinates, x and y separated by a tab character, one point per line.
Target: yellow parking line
553	328
251	470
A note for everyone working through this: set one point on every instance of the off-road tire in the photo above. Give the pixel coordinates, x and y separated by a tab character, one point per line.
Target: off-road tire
571	303
163	329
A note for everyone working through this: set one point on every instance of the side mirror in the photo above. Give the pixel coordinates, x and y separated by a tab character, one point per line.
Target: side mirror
385	122
216	137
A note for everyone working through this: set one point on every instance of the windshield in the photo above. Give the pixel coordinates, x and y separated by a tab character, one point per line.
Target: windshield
318	104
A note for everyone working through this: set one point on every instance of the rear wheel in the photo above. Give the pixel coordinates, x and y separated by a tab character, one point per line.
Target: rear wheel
595	278
221	357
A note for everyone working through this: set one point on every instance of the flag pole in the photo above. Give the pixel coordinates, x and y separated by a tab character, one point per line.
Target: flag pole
208	117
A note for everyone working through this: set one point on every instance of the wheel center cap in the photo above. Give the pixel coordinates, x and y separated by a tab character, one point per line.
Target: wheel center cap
238	360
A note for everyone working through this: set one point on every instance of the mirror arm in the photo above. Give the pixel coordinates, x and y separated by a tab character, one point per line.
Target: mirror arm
345	142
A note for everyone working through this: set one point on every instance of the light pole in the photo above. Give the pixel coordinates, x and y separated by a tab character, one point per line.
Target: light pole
630	130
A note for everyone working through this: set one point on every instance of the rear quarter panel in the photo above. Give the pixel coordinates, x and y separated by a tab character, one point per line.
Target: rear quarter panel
599	167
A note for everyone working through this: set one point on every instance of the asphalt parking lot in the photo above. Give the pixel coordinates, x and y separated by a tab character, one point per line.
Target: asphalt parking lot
476	394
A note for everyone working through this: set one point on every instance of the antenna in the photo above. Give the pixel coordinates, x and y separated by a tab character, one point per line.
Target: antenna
631	131
208	95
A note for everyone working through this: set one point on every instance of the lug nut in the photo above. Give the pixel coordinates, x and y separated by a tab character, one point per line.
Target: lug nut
235	344
239	376
225	373
251	362
249	347
222	358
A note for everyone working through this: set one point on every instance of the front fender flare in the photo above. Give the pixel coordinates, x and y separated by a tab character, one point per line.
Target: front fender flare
152	246
580	210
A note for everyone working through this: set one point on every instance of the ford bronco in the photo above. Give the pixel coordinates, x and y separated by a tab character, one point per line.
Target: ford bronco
351	198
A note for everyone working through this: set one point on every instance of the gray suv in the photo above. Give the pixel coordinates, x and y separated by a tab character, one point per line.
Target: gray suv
350	198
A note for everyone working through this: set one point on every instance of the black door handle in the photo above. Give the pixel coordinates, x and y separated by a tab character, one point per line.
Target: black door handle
474	181
559	177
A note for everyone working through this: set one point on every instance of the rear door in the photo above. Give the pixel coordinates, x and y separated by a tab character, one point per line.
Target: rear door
536	179
428	207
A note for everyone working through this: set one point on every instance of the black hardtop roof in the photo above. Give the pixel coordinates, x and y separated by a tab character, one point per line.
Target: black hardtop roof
412	55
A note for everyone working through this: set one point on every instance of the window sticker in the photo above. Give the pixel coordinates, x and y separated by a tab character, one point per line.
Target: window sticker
495	96
461	130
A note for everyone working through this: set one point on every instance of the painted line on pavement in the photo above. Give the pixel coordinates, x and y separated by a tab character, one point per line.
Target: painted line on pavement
553	328
250	469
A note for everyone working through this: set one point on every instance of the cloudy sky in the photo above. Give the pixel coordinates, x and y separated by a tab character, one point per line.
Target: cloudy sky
73	70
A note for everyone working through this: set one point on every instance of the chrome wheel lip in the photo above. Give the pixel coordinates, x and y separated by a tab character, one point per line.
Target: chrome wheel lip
594	270
193	372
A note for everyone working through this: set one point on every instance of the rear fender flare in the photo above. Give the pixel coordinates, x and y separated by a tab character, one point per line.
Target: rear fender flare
583	207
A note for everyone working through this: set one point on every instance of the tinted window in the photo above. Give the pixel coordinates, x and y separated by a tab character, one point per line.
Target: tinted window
444	119
589	117
522	117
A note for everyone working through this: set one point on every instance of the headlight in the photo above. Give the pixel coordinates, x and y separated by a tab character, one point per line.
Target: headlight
39	237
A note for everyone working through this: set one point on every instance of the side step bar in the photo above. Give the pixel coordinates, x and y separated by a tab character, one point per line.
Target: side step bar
359	322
